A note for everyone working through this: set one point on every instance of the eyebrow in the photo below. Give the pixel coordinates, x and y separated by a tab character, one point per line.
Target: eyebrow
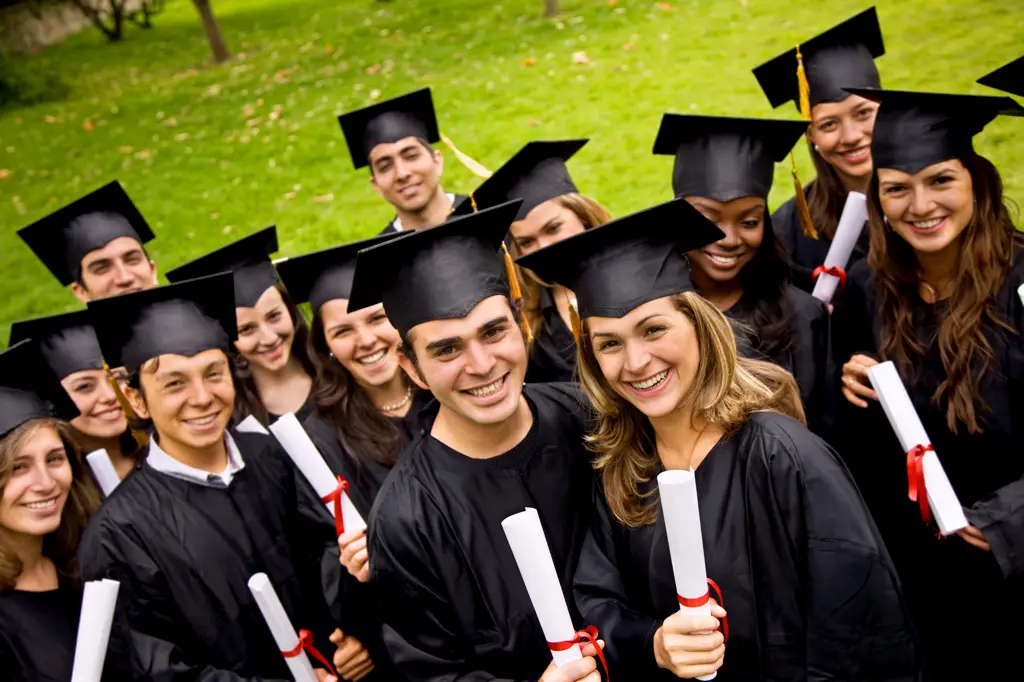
635	326
178	373
338	325
452	340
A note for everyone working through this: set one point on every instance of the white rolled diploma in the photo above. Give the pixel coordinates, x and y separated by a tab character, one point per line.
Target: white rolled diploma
281	627
94	621
1020	292
303	452
251	425
103	470
851	224
678	492
533	556
946	508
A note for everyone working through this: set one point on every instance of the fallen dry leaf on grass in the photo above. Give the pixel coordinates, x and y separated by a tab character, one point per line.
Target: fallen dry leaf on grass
664	7
324	198
580	57
87	125
4	173
529	61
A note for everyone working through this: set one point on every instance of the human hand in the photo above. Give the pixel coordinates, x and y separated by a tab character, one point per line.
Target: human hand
351	659
691	646
856	384
974	537
583	670
354	556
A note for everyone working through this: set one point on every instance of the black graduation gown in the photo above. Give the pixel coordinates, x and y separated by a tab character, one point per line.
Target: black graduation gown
184	554
806	253
553	354
451	597
986	471
390	227
809	588
308	408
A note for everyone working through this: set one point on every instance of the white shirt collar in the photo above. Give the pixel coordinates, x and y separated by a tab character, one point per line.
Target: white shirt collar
397	222
165	464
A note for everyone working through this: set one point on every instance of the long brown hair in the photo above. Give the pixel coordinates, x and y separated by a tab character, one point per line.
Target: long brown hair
727	389
825	195
988	244
60	546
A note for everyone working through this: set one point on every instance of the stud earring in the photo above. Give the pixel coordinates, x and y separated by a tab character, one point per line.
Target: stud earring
817	149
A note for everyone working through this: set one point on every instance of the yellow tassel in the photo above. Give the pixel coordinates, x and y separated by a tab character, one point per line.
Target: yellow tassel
574	321
515	290
141	438
474	167
472	202
803	86
803	211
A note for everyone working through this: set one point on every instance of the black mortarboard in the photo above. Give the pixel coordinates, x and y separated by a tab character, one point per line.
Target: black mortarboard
327	274
29	389
615	267
725	158
1009	78
535	174
411	115
841	57
914	130
62	239
67	342
180	319
248	259
439	273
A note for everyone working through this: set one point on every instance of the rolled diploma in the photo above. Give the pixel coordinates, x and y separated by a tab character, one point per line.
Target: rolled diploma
851	224
280	627
251	425
949	514
98	602
1020	292
103	470
530	549
678	491
303	452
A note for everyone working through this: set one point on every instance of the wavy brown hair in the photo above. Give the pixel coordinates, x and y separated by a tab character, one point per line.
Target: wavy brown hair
826	196
61	546
726	391
988	245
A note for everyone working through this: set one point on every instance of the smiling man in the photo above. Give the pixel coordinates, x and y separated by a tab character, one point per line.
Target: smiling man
452	601
394	139
95	244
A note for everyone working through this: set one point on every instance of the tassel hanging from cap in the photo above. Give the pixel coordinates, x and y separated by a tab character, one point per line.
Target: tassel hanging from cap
803	86
574	321
475	167
803	211
515	290
140	437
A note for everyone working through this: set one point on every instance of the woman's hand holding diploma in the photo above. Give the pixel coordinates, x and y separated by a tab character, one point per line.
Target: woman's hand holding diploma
351	660
856	385
354	556
691	646
583	670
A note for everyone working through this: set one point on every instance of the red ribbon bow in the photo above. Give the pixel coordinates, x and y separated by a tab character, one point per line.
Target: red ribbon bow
589	635
694	602
833	270
335	497
306	644
916	490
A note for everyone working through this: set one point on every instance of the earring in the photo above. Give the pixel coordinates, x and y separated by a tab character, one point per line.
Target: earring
817	149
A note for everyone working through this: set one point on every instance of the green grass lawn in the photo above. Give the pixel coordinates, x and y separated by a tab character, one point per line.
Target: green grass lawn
213	153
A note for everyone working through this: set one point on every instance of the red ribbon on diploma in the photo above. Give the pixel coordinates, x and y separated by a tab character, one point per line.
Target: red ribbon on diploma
589	635
335	497
833	270
916	490
306	644
694	602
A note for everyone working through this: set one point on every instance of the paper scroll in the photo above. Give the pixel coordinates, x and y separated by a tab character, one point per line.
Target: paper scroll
533	556
851	224
303	452
251	425
949	514
281	627
103	470
94	621
1020	292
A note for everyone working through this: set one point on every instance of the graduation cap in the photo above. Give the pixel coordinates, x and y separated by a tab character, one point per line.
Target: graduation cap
248	259
439	273
1009	78
411	115
841	57
536	174
180	319
29	389
67	342
62	239
914	130
725	158
325	275
615	267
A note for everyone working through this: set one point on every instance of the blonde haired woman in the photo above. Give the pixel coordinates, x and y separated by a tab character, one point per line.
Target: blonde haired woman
810	590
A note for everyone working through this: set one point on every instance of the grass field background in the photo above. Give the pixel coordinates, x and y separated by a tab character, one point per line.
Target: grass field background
212	153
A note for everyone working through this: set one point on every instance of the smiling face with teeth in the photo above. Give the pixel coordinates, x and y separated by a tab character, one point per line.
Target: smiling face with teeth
931	208
266	332
363	342
841	133
33	496
101	416
742	221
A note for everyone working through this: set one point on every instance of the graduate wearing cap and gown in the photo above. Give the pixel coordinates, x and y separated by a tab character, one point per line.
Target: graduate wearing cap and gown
208	508
808	588
724	168
96	244
394	138
813	76
1008	78
453	604
945	259
273	372
552	210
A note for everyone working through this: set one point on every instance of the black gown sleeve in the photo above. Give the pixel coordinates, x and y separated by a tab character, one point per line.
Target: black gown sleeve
853	319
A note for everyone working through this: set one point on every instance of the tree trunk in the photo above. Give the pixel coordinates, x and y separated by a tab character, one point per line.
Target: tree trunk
551	8
216	40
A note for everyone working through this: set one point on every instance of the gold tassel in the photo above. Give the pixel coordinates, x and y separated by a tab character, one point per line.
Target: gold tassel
472	202
475	167
803	211
574	321
140	437
516	291
803	86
